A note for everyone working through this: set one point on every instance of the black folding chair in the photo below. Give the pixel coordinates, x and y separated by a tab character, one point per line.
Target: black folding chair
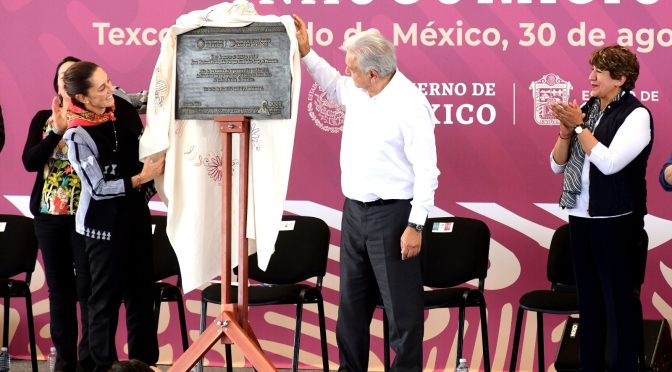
561	298
18	254
166	266
300	254
450	259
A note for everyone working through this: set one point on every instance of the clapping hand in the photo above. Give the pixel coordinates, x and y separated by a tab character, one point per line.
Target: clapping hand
58	120
569	114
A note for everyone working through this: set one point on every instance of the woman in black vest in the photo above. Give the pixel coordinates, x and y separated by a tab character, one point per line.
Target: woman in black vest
602	149
103	139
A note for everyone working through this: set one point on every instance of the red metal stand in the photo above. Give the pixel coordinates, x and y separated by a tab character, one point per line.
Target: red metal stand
232	325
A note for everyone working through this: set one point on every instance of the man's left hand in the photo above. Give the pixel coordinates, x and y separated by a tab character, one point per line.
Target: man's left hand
410	243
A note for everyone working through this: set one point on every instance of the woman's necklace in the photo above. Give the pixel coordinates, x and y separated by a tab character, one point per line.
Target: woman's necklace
116	141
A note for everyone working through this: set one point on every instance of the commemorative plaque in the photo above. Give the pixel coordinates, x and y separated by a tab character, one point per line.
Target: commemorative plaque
234	71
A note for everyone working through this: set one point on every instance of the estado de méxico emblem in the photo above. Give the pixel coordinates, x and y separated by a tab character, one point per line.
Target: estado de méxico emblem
550	88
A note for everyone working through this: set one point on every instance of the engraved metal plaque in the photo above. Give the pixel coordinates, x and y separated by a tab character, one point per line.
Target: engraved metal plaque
234	71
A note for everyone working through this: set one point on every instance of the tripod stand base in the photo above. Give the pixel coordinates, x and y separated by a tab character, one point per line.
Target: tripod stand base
225	326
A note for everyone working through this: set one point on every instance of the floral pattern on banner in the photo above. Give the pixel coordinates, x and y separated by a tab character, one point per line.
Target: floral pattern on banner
212	162
161	92
255	137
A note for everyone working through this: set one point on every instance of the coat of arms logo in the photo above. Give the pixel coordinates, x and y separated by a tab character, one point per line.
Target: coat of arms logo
325	113
550	88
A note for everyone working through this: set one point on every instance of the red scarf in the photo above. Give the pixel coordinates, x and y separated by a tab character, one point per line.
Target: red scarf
78	116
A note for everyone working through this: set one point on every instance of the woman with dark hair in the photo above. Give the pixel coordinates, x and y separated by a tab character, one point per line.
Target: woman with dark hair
53	203
602	149
103	138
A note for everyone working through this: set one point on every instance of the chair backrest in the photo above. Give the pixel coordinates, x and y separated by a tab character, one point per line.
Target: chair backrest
560	270
300	253
559	267
18	246
455	257
165	261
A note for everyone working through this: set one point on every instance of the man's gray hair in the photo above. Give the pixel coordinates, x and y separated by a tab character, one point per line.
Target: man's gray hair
372	51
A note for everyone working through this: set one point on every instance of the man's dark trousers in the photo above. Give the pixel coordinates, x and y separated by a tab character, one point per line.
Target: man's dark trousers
370	262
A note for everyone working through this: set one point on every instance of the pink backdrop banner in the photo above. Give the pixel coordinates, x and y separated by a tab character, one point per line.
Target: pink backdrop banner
486	66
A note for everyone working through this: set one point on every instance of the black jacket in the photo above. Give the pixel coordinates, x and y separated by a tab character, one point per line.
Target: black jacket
624	191
36	153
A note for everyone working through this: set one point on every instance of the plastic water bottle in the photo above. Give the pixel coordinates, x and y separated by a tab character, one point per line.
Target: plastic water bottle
4	360
52	359
462	366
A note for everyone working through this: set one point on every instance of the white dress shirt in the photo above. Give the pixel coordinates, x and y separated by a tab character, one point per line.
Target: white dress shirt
388	149
630	139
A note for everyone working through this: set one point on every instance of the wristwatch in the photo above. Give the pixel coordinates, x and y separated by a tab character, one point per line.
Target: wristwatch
578	129
415	226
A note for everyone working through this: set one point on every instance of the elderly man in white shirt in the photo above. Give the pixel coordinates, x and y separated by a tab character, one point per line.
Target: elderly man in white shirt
388	176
